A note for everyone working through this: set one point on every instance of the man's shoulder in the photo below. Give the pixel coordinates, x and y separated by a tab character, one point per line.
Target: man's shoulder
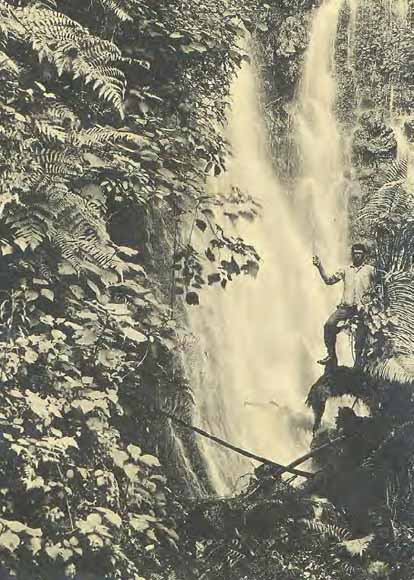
363	268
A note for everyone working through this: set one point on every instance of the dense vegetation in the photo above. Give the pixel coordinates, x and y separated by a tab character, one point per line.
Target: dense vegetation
110	118
110	121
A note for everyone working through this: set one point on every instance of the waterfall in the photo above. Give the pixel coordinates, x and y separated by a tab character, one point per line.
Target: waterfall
319	137
322	186
259	339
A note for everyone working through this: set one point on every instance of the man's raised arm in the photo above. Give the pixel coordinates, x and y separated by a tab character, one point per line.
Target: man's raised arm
327	279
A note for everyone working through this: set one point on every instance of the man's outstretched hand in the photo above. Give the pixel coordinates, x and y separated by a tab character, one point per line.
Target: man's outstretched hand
316	261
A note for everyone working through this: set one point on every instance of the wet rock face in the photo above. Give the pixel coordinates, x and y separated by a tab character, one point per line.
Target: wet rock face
292	38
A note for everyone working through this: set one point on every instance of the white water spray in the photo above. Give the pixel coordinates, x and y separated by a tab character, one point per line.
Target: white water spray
259	339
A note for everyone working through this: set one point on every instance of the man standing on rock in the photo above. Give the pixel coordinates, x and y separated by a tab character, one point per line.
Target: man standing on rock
358	279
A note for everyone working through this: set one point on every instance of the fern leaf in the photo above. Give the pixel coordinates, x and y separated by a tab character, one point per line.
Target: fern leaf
400	298
30	231
401	437
396	171
73	226
328	530
108	136
8	66
45	4
63	115
399	364
56	164
74	50
392	199
397	368
116	8
50	134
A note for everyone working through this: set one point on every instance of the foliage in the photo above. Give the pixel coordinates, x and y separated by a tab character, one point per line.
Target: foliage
110	121
387	217
373	141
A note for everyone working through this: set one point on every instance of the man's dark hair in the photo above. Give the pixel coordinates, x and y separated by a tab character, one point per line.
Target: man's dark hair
359	248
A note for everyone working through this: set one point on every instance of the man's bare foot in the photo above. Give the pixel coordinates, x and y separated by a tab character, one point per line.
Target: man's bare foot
328	361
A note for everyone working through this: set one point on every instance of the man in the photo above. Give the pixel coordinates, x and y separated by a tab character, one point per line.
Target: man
358	279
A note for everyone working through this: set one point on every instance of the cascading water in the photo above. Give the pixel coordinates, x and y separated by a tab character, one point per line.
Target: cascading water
259	339
322	186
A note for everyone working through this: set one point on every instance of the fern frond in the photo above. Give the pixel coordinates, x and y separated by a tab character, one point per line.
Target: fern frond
8	66
74	227
63	115
399	288
117	8
29	231
397	369
50	134
395	244
401	438
392	199
398	366
328	530
73	50
92	243
99	51
45	4
108	136
396	171
52	167
108	82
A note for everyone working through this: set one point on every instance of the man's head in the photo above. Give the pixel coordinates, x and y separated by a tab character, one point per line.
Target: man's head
359	252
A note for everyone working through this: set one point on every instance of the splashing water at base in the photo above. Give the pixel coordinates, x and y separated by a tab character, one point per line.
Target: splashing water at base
259	339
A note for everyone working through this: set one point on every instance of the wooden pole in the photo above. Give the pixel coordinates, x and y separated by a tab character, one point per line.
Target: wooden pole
278	466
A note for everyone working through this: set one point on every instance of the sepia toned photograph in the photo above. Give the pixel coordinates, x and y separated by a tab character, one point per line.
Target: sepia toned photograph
206	289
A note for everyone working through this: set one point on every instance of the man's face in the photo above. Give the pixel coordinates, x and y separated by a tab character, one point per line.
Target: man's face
358	257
